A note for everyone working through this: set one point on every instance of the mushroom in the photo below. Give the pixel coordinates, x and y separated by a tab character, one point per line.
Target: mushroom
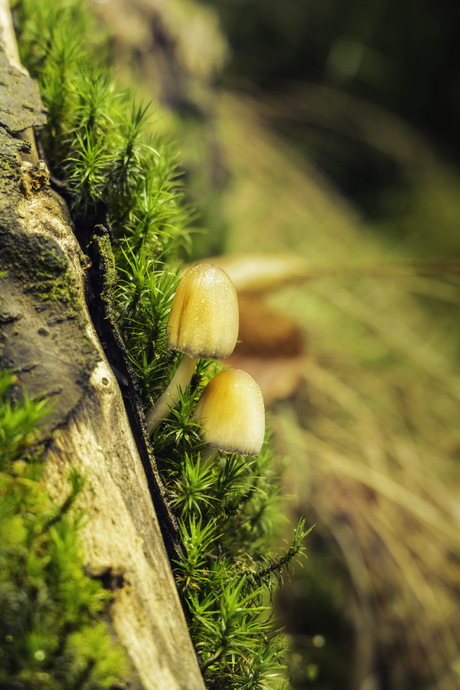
232	414
203	323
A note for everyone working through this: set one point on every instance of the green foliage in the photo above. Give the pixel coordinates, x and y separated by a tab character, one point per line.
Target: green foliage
17	424
51	635
99	141
143	296
227	512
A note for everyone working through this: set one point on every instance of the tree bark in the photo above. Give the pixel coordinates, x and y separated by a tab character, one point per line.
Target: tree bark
49	340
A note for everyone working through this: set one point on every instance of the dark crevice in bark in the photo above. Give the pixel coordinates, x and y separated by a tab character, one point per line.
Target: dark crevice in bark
94	236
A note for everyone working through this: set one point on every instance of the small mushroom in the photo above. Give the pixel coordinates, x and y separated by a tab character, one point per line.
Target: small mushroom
232	414
203	323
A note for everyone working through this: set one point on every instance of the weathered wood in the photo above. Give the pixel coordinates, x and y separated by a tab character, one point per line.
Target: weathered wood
48	339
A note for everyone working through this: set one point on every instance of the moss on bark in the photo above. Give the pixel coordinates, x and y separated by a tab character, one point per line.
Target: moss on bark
43	334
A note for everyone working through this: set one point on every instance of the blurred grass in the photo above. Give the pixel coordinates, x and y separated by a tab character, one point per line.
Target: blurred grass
373	435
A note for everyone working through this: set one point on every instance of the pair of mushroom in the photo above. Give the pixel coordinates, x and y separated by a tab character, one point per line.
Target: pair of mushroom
203	324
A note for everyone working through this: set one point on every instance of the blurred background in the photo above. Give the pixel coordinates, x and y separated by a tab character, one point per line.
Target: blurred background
320	146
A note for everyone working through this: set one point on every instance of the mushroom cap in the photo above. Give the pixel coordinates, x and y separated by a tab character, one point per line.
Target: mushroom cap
232	414
204	317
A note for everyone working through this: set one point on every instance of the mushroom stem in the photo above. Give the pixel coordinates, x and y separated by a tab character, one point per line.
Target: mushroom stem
170	397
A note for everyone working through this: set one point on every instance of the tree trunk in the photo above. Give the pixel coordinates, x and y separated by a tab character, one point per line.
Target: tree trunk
49	339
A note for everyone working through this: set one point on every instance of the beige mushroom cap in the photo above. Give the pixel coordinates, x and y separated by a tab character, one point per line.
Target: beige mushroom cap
232	414
204	316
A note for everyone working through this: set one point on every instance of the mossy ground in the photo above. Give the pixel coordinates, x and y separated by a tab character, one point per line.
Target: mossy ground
102	145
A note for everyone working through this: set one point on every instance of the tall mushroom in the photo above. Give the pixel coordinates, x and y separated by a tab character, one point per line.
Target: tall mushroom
232	414
203	324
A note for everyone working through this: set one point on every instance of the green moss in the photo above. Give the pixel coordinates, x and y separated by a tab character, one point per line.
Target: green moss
101	142
109	272
42	265
51	632
35	258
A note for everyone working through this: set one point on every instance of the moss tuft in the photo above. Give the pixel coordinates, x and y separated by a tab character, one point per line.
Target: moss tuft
51	632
